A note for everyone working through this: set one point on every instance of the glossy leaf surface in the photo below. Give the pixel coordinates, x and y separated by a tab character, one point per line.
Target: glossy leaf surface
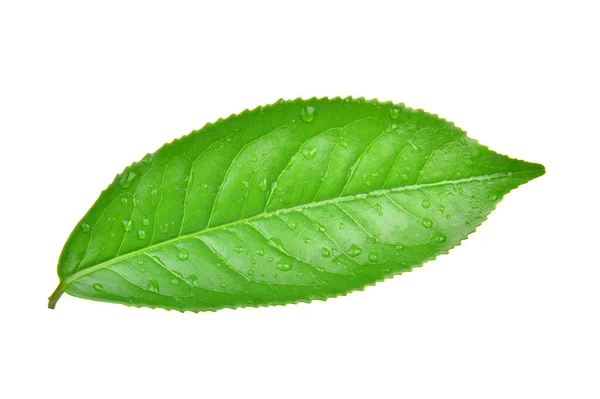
300	200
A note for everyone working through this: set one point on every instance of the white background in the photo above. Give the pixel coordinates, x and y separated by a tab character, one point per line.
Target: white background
512	313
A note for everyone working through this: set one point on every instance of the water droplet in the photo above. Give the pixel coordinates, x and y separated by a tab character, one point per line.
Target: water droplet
414	146
441	208
253	261
263	185
404	176
386	270
320	228
250	272
145	222
325	252
306	240
183	254
276	243
253	159
427	223
439	237
270	259
355	250
399	248
126	179
448	216
98	287
193	279
284	265
426	204
154	192
127	225
239	165
494	198
141	234
260	252
140	262
124	201
307	113
309	153
394	113
373	257
164	228
223	284
238	249
403	263
153	285
379	209
174	281
292	225
85	227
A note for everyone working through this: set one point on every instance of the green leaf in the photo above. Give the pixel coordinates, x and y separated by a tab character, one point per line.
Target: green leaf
296	201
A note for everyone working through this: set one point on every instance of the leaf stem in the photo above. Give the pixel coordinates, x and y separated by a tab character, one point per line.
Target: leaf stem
55	296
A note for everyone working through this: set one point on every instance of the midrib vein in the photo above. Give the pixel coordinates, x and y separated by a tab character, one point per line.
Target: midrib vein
261	215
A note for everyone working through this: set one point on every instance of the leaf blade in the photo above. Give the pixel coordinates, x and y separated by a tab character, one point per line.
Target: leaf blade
375	178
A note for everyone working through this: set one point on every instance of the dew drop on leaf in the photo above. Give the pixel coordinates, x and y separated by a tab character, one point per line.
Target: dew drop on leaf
174	281
126	179
284	265
276	243
263	185
439	237
145	222
373	257
124	201
441	208
292	225
394	113
183	254
325	252
306	240
250	272
404	176
164	228
223	284
85	227
260	252
309	153
98	287
127	225
141	234
238	249
379	209
342	225
307	113
355	250
153	285
426	204
427	223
